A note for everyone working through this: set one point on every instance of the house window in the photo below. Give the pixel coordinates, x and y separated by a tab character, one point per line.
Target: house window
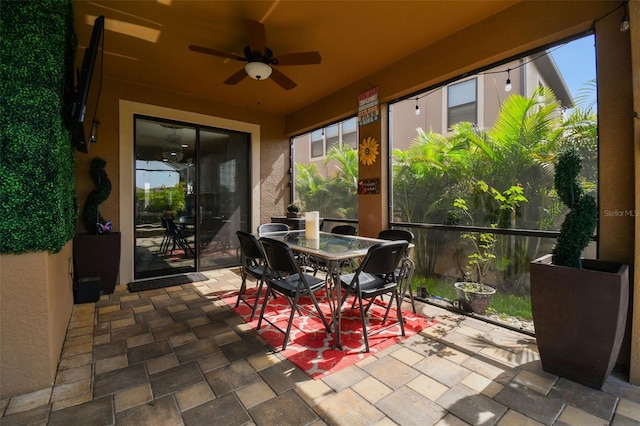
462	102
349	132
326	180
331	133
317	143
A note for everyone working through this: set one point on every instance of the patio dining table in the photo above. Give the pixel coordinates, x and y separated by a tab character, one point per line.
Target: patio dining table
333	248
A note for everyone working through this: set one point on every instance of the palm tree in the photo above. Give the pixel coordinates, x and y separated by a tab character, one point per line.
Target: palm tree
519	150
334	196
311	187
432	162
343	184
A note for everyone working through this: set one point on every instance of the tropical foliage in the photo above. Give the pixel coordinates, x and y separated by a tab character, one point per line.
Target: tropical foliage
516	156
162	199
483	244
334	196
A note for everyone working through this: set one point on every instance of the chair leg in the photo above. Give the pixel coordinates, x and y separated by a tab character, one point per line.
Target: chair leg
407	270
164	245
413	303
364	324
264	307
294	307
386	313
243	289
396	294
255	303
320	314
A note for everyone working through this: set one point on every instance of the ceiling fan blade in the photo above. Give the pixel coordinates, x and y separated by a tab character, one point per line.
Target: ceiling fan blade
282	80
255	35
236	77
214	52
300	58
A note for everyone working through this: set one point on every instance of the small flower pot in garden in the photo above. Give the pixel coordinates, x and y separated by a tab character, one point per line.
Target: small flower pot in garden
474	297
422	292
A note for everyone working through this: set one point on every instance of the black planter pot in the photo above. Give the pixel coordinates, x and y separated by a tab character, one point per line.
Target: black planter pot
579	317
97	256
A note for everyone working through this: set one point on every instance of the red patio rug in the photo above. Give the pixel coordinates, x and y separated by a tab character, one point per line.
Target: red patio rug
310	347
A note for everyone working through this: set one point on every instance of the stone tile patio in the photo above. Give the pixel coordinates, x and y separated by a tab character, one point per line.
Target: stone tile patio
180	356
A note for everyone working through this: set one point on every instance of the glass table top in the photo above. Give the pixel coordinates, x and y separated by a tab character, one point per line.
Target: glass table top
329	246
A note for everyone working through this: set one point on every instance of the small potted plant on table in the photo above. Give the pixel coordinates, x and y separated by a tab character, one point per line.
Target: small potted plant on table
293	210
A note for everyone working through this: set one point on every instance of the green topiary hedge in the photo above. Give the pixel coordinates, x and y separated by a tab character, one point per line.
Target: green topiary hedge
579	224
38	201
91	212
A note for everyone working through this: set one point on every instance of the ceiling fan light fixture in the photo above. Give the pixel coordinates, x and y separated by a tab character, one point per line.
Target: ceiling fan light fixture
258	70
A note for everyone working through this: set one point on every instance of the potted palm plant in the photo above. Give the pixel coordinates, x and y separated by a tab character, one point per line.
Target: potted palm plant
579	306
97	252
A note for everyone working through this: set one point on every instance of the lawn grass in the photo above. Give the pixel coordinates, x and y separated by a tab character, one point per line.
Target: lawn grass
502	304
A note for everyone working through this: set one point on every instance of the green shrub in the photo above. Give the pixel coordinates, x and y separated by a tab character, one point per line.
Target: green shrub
91	212
578	226
38	201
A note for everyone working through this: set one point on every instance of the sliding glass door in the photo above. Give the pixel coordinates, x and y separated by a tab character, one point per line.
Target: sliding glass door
192	193
223	197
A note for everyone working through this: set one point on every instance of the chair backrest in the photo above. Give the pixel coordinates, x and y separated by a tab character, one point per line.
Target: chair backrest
272	227
395	235
250	246
344	230
384	258
279	256
171	225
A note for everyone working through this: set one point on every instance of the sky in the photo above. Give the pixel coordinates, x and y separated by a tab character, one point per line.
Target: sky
576	61
156	174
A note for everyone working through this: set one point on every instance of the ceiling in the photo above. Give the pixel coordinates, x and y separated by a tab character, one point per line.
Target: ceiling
146	42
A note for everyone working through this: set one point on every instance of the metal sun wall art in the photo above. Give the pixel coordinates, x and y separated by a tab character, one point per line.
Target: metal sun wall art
368	151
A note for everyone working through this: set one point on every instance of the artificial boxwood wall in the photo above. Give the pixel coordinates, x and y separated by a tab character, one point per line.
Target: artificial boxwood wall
38	201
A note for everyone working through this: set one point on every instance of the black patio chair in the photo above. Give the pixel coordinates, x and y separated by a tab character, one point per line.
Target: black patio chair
344	230
377	275
321	264
252	263
396	235
285	277
177	239
266	228
399	235
166	238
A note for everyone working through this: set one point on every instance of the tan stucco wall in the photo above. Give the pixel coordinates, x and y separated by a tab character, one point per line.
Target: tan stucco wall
634	14
523	27
274	146
35	291
615	170
36	302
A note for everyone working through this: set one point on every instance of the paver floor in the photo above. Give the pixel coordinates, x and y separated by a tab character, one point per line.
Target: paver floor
180	356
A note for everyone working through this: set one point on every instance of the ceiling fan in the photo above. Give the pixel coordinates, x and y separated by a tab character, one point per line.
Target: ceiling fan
259	58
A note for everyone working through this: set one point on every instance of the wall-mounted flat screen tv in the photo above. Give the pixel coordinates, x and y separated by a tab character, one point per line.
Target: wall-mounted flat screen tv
86	94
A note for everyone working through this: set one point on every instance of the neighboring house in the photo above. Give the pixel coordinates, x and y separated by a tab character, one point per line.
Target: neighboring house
475	99
313	147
